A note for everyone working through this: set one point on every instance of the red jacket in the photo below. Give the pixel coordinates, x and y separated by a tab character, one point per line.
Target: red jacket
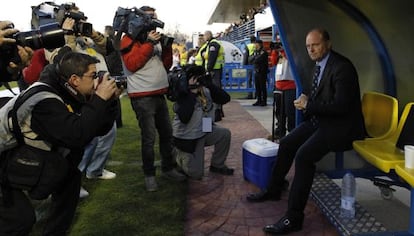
31	73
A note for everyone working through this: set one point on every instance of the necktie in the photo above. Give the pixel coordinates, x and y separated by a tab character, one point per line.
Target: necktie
315	80
316	73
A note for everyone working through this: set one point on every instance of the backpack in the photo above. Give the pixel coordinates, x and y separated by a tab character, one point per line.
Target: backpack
26	162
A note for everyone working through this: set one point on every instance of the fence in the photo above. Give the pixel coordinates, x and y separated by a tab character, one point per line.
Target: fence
240	78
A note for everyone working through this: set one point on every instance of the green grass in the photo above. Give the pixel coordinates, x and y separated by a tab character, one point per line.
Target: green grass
122	206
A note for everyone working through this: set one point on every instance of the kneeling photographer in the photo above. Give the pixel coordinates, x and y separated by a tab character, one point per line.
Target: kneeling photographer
194	127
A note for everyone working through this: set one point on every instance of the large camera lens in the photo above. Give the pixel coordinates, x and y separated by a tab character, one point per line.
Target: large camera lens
48	36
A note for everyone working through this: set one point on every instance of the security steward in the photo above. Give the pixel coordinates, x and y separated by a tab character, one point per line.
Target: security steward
214	62
199	58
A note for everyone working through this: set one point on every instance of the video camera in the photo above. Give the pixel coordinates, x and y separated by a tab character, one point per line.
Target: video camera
136	23
48	36
120	80
80	27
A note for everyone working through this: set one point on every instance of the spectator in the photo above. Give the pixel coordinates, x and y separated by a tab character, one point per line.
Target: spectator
285	83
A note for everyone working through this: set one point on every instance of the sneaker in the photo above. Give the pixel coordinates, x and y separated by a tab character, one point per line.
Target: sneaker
151	184
83	193
174	175
106	174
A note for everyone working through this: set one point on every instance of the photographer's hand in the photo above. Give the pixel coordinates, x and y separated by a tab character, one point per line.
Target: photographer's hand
106	88
193	83
67	25
153	36
25	54
6	32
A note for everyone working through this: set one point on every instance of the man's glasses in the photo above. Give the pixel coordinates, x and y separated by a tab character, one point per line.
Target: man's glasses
94	75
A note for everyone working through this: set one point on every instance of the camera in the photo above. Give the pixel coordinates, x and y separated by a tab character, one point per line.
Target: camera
136	23
120	80
275	45
203	78
48	36
80	28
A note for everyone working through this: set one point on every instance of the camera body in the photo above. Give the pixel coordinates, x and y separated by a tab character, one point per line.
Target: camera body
136	23
80	27
120	80
48	36
178	80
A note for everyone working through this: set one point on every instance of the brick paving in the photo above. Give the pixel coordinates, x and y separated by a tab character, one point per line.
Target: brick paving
217	206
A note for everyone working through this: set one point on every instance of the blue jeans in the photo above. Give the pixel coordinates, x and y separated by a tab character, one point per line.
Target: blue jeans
153	116
97	153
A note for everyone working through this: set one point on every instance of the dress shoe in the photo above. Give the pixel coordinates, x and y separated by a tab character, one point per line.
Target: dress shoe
283	226
262	196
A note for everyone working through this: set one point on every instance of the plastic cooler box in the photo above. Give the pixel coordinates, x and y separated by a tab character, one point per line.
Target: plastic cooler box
258	158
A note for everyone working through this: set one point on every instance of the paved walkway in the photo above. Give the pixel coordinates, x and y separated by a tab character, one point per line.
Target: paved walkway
217	204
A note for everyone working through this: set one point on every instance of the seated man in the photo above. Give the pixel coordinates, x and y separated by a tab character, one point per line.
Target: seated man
193	126
333	120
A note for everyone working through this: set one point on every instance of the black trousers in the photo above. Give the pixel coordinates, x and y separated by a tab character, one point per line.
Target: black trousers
285	112
260	81
18	216
306	145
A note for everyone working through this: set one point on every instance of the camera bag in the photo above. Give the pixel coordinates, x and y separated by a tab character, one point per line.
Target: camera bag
26	162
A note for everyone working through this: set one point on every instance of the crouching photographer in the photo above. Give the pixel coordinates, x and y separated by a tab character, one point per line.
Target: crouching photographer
71	114
194	127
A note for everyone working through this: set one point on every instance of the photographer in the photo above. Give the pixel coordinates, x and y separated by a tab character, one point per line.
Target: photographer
147	62
70	125
193	126
10	67
80	37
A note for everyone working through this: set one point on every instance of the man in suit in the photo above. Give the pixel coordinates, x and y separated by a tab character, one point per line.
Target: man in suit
333	120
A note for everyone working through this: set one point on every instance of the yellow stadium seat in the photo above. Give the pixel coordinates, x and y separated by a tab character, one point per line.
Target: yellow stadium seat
380	114
383	153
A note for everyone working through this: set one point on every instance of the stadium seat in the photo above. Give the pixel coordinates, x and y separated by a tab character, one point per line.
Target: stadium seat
380	114
384	153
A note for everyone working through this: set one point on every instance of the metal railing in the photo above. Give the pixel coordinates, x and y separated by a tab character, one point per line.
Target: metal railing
240	32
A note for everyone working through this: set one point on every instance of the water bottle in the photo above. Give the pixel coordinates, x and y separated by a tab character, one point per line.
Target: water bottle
348	196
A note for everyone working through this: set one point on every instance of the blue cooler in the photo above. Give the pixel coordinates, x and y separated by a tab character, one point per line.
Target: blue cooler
258	158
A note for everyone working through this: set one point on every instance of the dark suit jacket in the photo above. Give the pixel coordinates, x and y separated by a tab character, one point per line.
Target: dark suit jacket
337	104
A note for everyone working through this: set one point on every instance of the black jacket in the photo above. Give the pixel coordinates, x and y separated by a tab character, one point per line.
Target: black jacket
260	61
337	104
53	122
187	100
